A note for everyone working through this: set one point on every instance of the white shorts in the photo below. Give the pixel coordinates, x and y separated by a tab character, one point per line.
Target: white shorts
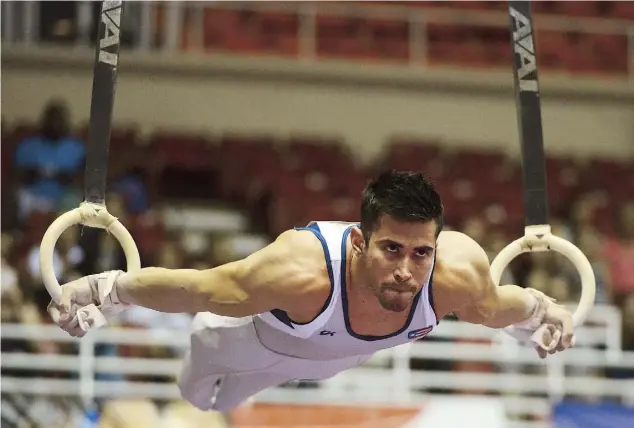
227	364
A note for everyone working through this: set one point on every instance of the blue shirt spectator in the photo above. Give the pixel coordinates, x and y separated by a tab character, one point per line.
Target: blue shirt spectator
49	162
134	193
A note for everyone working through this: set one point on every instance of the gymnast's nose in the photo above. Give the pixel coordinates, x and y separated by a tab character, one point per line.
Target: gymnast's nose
402	272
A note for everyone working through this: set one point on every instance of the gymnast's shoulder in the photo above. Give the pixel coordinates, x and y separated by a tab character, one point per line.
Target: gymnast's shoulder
462	271
458	249
298	257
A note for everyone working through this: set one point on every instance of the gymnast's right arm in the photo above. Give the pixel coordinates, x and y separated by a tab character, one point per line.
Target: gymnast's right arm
273	277
282	275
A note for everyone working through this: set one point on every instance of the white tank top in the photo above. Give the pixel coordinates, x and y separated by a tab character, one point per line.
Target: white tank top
329	335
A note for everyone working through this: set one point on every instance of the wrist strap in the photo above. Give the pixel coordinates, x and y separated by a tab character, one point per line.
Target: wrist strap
110	303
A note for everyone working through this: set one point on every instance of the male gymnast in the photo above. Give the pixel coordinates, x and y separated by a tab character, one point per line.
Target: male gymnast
323	298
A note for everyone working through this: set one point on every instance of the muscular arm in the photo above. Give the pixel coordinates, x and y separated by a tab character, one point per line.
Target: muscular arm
476	298
274	277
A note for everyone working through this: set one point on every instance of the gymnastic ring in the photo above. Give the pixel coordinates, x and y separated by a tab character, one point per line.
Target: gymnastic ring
540	238
91	215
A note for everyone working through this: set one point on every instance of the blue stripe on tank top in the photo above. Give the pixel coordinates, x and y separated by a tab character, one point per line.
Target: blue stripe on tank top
281	315
430	293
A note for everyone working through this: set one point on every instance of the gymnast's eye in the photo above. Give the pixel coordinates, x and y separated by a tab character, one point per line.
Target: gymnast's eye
391	248
423	252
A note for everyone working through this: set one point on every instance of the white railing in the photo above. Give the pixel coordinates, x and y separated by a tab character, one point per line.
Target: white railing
22	25
372	382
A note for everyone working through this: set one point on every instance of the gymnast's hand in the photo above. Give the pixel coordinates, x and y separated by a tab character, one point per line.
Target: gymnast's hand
75	313
550	329
559	330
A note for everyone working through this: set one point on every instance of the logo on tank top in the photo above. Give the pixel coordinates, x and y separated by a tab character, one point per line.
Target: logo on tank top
326	333
421	332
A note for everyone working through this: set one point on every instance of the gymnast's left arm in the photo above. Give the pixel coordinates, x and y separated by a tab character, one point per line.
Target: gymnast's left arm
520	311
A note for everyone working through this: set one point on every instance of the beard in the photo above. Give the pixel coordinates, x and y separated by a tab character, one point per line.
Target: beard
391	305
393	300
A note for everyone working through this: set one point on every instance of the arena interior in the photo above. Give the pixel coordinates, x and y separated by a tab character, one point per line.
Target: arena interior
234	121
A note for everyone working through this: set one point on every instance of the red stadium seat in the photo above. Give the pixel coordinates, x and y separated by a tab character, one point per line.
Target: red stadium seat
578	8
623	9
363	38
183	166
183	149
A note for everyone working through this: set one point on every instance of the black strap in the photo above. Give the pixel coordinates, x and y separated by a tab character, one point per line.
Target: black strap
103	90
529	117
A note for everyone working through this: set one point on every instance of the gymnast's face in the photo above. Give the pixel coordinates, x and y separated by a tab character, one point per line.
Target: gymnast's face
397	260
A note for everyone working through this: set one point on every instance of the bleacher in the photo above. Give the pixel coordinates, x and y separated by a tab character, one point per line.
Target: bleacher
301	171
573	37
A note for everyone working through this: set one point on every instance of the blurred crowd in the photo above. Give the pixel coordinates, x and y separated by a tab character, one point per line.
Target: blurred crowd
45	178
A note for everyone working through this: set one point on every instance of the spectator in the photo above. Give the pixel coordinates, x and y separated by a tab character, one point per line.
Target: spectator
475	228
560	289
539	279
627	339
561	228
628	323
583	210
619	253
48	163
11	296
589	242
134	192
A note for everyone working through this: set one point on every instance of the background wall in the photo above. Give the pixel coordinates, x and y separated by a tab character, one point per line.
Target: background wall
364	113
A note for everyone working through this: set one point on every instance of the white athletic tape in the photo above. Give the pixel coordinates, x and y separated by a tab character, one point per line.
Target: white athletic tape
91	215
534	338
92	314
539	238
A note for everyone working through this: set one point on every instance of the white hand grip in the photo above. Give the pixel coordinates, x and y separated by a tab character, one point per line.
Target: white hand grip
539	238
88	214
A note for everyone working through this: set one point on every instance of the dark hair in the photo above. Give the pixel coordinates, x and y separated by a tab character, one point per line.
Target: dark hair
404	196
55	121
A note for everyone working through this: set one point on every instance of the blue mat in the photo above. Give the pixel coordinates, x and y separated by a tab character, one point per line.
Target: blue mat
581	415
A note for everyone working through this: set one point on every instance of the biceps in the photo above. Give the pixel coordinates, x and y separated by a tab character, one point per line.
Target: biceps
225	296
254	285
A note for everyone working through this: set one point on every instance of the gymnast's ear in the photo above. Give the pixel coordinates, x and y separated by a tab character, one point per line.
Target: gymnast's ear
357	240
